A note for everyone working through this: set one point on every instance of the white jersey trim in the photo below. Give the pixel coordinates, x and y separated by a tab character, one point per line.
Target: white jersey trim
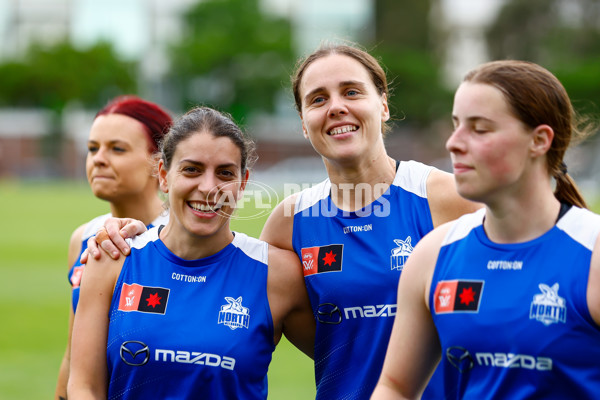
94	225
582	225
142	240
162	219
463	225
411	176
252	247
311	196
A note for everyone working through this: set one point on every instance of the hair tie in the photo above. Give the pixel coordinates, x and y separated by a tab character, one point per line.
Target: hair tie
563	167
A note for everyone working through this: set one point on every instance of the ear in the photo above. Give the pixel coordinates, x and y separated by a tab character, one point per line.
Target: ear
385	111
162	176
244	180
541	140
304	131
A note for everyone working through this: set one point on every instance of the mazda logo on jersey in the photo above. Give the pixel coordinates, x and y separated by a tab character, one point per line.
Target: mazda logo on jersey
329	313
460	358
134	353
319	259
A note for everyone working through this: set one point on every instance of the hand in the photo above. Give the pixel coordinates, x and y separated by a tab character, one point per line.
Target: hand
111	238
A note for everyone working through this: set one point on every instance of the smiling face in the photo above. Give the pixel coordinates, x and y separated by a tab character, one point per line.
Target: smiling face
204	181
342	111
118	163
490	148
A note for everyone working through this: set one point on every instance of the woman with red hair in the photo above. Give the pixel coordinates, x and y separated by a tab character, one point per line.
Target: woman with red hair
123	141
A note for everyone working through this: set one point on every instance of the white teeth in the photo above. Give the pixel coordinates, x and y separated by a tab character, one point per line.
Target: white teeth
342	129
203	207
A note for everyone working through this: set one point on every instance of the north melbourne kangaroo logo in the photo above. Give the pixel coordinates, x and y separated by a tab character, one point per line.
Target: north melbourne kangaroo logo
233	314
548	307
400	254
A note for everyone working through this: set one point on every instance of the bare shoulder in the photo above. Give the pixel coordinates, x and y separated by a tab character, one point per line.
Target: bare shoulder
279	226
419	268
102	273
593	289
444	201
284	264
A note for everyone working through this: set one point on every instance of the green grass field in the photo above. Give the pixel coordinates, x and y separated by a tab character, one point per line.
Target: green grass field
36	221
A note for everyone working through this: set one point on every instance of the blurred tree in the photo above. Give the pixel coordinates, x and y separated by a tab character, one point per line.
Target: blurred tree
561	35
232	56
52	77
407	43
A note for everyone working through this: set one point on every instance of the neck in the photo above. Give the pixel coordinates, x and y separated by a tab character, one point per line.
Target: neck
522	218
356	185
188	246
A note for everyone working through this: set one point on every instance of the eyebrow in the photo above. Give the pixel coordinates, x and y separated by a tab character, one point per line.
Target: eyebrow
109	142
475	118
200	163
358	84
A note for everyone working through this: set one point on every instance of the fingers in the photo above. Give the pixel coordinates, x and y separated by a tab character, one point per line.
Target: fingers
84	256
102	241
119	229
91	251
132	228
110	240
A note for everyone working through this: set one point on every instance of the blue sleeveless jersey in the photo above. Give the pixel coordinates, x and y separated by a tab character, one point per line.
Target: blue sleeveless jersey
352	262
190	329
90	230
513	318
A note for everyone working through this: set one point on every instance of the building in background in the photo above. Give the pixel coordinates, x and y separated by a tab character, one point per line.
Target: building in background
142	30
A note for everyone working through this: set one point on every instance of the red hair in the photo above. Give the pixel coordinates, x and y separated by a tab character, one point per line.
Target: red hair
155	120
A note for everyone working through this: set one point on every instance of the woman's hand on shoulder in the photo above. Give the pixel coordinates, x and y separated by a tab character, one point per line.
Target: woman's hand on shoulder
288	298
278	228
111	238
444	201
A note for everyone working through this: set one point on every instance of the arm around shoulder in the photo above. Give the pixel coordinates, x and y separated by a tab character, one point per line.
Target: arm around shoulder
288	298
88	375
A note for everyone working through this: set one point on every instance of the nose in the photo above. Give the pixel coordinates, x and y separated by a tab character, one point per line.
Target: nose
99	157
337	106
454	143
208	185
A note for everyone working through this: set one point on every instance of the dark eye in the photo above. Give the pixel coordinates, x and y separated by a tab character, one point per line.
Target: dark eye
227	173
352	92
117	149
318	100
92	149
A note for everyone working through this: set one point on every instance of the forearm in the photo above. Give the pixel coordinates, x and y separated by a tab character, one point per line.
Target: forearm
78	391
386	391
63	376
